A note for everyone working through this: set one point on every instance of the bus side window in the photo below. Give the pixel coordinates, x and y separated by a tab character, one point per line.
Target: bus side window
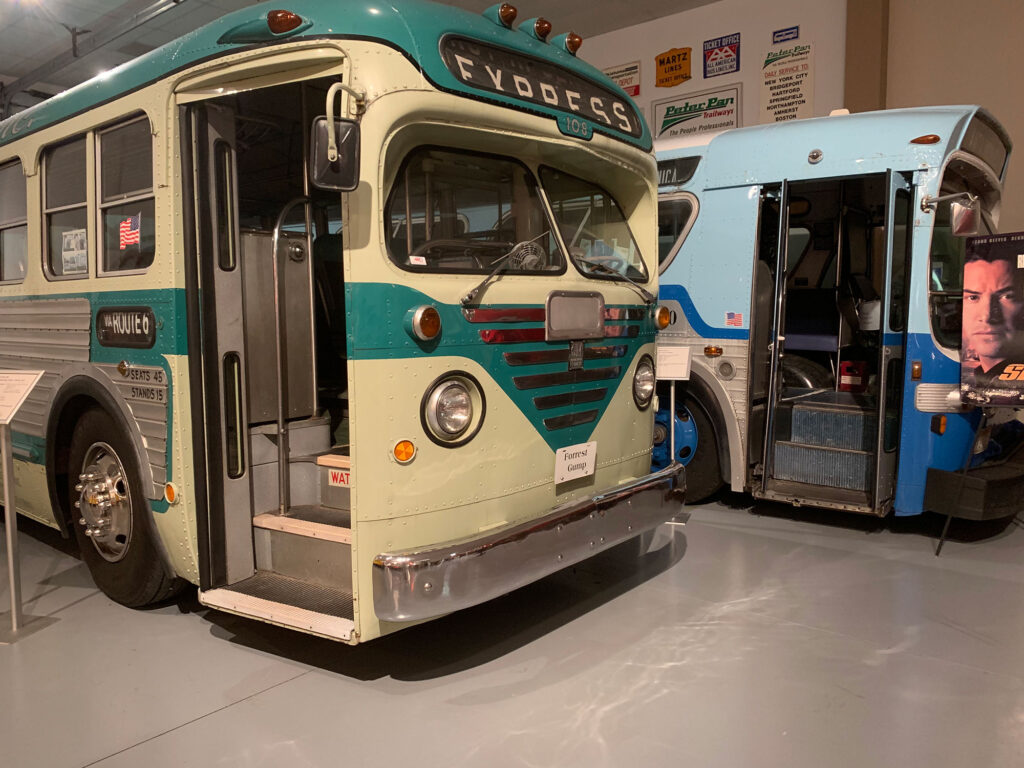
64	210
675	219
13	240
127	207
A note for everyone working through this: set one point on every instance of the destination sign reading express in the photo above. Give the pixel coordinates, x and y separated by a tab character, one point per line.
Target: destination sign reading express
500	71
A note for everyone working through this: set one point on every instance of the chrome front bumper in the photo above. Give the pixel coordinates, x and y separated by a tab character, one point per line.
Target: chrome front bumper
422	584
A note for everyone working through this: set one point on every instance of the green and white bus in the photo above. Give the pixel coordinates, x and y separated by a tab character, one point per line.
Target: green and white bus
346	313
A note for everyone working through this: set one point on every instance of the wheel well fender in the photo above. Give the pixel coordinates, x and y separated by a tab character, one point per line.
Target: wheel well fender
714	402
78	393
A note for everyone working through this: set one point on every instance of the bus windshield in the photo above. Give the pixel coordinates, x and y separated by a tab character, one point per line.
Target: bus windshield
462	212
593	227
946	259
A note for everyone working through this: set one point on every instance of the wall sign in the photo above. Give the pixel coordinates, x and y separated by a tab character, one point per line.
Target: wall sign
694	113
722	55
672	67
627	77
787	90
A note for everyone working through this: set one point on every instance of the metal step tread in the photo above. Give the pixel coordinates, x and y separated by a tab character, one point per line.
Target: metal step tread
824	448
817	496
846	401
314	521
287	602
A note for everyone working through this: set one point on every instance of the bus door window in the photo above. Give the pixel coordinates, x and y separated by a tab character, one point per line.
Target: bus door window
65	211
127	207
13	227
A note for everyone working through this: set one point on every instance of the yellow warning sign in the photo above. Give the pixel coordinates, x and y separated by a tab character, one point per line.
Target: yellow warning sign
672	67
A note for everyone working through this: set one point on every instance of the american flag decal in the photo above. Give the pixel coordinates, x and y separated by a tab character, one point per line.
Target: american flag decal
734	319
128	231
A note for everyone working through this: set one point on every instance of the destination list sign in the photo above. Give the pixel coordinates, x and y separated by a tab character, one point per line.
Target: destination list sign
497	70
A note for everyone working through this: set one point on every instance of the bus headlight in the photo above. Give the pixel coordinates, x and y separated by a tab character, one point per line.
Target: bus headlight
643	382
453	409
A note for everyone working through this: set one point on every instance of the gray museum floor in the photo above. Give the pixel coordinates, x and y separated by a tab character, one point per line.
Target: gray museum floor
756	635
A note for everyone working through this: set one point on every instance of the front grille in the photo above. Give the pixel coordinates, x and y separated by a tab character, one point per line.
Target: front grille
560	397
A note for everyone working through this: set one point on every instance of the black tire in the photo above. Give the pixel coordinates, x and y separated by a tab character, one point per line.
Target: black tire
801	373
703	473
123	556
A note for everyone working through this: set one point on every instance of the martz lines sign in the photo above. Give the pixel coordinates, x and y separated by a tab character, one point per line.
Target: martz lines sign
488	68
697	113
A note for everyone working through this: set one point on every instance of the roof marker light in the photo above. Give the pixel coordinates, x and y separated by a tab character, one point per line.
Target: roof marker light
568	40
281	22
502	13
928	138
538	27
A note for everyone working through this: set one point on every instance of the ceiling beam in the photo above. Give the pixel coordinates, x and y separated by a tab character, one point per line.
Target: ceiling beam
83	47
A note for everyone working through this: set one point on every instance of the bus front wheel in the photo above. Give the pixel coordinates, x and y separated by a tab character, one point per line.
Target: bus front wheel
111	516
696	447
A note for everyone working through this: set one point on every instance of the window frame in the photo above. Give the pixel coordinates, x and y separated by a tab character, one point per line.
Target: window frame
531	173
15	223
45	212
678	244
101	206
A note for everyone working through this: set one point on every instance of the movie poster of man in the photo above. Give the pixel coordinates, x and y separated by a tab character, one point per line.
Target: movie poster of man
992	352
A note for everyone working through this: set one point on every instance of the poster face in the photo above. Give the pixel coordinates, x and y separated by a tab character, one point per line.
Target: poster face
992	348
73	256
722	55
713	110
627	77
787	90
672	67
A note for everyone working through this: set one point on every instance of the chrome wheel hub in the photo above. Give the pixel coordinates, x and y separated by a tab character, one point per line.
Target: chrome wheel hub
104	502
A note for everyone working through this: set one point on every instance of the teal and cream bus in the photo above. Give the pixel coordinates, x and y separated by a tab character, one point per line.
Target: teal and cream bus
346	313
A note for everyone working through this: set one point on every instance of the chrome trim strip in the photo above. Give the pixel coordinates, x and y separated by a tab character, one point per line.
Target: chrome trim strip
545	402
569	420
538	380
505	315
542	356
420	584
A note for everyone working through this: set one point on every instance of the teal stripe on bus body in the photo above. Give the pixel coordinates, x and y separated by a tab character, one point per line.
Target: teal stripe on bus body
377	331
168	306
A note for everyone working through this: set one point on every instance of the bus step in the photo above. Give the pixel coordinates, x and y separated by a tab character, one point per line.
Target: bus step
335	480
817	465
312	544
287	602
834	427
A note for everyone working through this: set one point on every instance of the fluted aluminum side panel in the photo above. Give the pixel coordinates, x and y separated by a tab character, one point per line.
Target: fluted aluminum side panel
830	467
937	398
43	334
839	428
49	334
145	391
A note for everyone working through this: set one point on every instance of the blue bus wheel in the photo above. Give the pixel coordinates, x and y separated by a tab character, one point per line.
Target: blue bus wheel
700	444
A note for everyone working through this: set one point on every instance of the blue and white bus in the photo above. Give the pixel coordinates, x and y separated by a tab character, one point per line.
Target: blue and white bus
815	277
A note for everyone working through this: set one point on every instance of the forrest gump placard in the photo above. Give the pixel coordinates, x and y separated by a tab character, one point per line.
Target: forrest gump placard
787	89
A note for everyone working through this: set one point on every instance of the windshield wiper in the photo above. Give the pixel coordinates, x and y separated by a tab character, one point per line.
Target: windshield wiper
648	297
524	255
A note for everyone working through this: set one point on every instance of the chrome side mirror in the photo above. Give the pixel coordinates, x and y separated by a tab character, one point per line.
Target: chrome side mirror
965	218
334	154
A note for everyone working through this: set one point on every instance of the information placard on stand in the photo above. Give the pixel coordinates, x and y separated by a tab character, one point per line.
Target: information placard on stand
15	387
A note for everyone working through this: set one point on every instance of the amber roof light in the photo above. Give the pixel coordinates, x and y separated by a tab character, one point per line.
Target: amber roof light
282	21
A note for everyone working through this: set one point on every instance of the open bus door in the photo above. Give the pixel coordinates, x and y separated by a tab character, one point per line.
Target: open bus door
829	309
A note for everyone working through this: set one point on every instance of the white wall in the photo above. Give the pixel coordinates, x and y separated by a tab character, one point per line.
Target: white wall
821	22
948	52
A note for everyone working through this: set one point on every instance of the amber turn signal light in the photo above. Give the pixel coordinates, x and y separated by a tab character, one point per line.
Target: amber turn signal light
282	21
662	318
425	322
915	370
542	28
928	138
405	451
713	351
573	43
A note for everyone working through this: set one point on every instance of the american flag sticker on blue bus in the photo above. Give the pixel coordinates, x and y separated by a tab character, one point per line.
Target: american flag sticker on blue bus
734	319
